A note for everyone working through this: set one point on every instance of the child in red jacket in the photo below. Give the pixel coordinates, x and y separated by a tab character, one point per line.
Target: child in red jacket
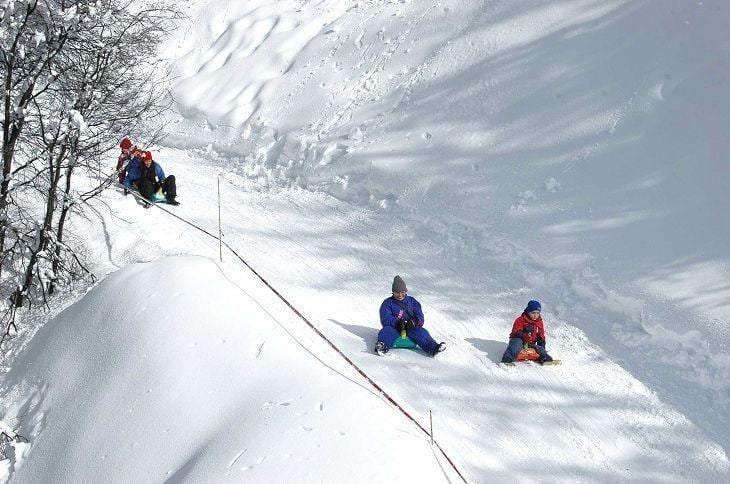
528	329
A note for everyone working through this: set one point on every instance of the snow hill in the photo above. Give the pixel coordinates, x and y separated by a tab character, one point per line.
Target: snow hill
572	151
196	383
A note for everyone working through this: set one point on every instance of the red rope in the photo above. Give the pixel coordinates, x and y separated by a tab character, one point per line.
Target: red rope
321	335
347	359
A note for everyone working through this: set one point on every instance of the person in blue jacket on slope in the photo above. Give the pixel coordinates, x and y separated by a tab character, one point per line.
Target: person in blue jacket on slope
146	176
402	312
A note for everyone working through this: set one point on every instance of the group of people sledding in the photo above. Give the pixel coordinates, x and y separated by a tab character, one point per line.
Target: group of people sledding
139	172
401	316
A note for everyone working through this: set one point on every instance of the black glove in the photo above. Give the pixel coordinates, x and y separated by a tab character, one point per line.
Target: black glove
409	325
525	337
400	325
529	328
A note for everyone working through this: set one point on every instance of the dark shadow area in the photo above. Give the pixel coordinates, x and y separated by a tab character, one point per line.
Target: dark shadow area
368	335
31	418
493	349
182	474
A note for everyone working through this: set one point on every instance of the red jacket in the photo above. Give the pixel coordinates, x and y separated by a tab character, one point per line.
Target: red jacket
522	323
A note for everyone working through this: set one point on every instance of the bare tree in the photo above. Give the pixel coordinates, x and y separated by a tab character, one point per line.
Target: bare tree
32	37
102	83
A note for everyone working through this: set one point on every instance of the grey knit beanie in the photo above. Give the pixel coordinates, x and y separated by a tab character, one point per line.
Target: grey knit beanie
399	284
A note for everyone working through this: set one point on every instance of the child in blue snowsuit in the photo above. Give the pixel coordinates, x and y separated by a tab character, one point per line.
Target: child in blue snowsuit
401	312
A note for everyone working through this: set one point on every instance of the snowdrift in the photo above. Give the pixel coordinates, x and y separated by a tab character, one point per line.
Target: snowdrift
167	371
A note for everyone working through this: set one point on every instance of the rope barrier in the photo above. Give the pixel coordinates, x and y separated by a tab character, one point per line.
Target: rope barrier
362	373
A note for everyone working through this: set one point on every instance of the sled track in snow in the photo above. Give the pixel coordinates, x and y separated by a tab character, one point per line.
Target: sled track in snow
362	373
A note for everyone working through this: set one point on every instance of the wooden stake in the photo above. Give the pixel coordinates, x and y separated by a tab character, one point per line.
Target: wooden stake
220	236
430	417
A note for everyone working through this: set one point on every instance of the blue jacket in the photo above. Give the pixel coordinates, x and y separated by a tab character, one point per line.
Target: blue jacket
134	172
392	310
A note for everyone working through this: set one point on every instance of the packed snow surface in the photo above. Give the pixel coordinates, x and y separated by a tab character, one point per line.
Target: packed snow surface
490	152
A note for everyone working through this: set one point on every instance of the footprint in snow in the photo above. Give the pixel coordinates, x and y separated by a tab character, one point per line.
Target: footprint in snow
269	404
260	350
259	461
307	429
235	459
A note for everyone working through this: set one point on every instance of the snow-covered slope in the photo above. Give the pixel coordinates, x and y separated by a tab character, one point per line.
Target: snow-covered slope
490	152
569	150
103	372
167	370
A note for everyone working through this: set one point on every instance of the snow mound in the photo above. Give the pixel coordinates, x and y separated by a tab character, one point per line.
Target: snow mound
166	370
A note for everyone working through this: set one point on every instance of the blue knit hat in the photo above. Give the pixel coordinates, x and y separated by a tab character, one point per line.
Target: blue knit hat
533	306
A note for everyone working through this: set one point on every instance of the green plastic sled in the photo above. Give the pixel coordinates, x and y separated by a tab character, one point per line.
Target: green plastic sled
158	197
404	342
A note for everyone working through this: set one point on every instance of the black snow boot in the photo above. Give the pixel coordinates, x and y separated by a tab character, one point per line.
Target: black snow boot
439	348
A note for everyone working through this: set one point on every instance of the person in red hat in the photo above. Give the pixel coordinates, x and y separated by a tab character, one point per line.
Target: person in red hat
146	176
128	152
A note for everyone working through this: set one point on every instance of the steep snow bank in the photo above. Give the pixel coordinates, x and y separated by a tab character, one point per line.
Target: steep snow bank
166	370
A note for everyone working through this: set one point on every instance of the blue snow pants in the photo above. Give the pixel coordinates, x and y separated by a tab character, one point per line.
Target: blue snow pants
420	336
514	346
